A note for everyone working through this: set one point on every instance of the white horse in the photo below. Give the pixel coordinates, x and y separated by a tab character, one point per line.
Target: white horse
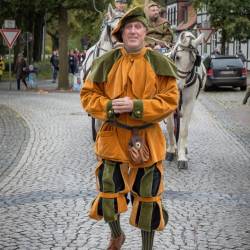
192	77
103	45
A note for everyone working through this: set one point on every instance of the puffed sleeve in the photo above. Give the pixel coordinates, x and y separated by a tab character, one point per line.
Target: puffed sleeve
95	102
162	104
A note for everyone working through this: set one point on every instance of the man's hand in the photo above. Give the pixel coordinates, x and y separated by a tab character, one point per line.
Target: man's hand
157	46
122	105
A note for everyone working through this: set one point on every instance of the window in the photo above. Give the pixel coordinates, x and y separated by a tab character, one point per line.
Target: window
169	15
174	22
185	14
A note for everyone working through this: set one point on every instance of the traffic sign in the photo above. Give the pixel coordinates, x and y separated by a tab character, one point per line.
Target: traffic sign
207	33
9	24
10	36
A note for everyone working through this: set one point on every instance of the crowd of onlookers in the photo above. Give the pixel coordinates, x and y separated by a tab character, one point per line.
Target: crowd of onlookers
75	60
26	74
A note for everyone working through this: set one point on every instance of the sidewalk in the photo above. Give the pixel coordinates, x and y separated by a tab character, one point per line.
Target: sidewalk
47	85
42	85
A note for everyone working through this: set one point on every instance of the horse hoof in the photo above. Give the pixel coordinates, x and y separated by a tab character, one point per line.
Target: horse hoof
170	156
182	164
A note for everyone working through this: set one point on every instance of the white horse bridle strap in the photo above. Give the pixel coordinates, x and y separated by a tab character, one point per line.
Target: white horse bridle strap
193	51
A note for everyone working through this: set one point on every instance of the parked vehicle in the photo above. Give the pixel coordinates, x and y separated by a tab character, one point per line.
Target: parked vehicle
225	71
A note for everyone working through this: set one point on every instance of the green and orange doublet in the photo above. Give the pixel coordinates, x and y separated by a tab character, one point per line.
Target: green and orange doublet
150	80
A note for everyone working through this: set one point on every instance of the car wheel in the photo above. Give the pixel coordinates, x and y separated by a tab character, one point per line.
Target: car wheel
243	88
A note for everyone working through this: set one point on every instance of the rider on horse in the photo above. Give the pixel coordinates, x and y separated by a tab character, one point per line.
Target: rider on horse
159	33
121	6
120	9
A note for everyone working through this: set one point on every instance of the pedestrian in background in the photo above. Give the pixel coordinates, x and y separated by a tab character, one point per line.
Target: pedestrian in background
82	57
216	52
21	71
131	94
77	56
73	67
54	61
2	67
72	62
247	95
242	57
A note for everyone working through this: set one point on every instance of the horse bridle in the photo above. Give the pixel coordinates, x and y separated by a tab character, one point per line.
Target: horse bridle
196	62
98	48
192	75
109	27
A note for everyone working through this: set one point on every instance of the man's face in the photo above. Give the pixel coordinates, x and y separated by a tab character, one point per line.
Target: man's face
120	6
154	12
133	35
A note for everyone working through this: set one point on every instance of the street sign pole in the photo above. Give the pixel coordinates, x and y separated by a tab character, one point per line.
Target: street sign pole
9	69
27	44
10	35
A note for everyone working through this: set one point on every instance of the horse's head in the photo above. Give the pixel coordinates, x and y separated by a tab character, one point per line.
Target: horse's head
186	55
113	18
105	42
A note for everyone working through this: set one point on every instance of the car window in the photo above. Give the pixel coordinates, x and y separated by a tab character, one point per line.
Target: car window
224	62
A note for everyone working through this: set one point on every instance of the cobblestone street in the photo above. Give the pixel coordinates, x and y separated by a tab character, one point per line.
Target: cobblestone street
47	177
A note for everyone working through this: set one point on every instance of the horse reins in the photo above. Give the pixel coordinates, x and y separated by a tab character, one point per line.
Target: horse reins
98	48
191	75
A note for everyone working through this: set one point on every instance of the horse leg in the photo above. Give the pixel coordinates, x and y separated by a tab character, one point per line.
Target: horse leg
246	96
171	149
182	143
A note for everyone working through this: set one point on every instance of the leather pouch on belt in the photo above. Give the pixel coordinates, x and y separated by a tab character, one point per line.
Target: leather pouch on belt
138	150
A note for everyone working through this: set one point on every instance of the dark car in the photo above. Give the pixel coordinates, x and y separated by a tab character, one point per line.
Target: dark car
225	71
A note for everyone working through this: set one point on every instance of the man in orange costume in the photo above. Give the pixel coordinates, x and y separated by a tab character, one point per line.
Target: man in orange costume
131	89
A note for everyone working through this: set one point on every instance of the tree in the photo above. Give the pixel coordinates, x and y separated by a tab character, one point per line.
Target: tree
230	18
62	8
30	16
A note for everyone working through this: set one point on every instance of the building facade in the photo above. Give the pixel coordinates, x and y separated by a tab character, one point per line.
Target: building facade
182	16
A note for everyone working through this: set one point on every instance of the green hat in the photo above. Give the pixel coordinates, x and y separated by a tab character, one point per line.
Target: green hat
135	14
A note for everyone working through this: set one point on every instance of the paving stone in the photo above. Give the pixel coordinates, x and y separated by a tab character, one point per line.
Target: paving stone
46	194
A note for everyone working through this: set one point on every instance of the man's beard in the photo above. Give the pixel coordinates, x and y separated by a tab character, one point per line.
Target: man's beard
154	18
